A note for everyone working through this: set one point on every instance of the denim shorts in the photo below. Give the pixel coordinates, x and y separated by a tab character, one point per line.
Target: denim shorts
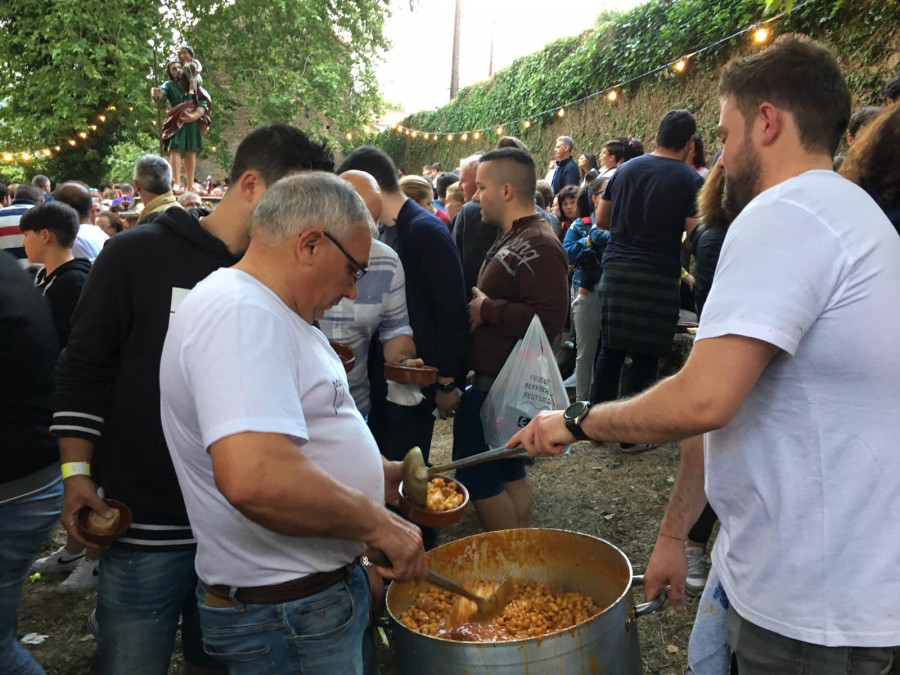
318	635
484	480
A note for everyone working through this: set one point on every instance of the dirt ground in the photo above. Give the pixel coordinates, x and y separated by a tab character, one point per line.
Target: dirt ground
595	489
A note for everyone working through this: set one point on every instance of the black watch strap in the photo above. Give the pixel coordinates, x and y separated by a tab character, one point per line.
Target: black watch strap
576	430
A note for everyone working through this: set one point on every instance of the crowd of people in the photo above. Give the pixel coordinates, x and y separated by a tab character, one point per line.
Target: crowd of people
180	364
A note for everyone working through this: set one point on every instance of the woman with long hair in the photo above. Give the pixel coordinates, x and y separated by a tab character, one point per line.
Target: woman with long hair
586	162
873	162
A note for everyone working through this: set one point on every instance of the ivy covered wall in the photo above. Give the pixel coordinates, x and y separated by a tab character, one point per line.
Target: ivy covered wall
863	33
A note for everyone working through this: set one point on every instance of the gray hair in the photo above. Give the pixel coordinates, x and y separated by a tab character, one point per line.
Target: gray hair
568	141
41	181
154	173
470	161
187	197
309	199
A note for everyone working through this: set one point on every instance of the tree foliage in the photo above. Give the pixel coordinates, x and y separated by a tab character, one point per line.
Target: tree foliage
289	60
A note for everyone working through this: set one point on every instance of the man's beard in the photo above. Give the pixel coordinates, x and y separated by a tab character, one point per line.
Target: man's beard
743	185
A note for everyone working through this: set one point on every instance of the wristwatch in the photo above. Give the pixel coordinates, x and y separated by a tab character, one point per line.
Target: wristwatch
446	388
574	416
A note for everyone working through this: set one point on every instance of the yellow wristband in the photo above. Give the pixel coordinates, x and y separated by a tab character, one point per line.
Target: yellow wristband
70	469
684	273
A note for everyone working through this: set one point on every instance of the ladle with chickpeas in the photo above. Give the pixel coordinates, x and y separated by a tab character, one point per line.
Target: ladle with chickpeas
416	475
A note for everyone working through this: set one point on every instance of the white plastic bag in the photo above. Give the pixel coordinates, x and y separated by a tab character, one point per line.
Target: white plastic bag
529	382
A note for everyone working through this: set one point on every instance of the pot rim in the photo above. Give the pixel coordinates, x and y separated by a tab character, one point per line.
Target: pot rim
500	643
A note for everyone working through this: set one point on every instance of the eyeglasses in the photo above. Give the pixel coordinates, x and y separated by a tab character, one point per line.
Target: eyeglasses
359	271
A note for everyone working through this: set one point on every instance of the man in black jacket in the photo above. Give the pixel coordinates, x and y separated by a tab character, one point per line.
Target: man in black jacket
106	404
566	169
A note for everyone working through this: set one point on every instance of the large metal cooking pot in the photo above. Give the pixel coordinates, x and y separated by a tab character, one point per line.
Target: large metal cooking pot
606	644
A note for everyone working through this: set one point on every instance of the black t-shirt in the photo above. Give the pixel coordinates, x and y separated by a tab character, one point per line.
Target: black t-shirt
28	351
706	243
650	197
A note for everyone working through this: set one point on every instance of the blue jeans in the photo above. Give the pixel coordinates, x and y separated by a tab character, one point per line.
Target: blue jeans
318	635
25	524
140	599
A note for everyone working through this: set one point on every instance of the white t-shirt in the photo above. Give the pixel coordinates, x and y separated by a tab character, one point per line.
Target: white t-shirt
237	359
89	242
806	478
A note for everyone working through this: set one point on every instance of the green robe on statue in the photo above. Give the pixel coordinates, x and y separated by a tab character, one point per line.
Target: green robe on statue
188	138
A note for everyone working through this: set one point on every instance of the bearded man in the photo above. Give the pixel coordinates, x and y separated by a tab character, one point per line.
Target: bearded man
794	376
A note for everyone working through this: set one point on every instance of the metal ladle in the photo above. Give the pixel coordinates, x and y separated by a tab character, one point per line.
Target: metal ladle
416	475
487	607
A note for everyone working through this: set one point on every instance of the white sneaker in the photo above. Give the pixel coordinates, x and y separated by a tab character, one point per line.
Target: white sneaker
698	569
92	624
84	578
58	561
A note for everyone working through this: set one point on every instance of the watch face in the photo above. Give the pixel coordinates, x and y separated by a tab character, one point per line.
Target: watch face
576	410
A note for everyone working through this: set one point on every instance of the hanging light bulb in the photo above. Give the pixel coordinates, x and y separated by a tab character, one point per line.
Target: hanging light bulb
72	142
612	96
680	65
46	152
476	135
7	157
449	137
367	129
415	133
348	136
102	118
56	147
499	131
760	35
561	112
83	134
465	136
26	156
527	124
427	135
215	149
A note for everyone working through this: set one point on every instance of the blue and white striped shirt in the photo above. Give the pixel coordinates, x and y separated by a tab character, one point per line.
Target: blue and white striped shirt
380	306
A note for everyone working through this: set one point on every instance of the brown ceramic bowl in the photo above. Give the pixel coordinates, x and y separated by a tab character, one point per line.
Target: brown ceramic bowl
81	524
346	353
683	326
422	516
421	376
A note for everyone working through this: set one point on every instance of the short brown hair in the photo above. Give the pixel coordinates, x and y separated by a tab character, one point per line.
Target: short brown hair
800	76
873	161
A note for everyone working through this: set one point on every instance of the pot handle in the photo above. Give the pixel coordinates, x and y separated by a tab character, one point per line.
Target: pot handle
651	606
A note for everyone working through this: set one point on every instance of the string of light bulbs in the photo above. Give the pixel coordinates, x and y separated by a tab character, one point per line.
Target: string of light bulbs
613	94
9	156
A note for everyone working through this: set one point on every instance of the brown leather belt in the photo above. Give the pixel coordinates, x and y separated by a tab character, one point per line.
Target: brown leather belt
275	594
